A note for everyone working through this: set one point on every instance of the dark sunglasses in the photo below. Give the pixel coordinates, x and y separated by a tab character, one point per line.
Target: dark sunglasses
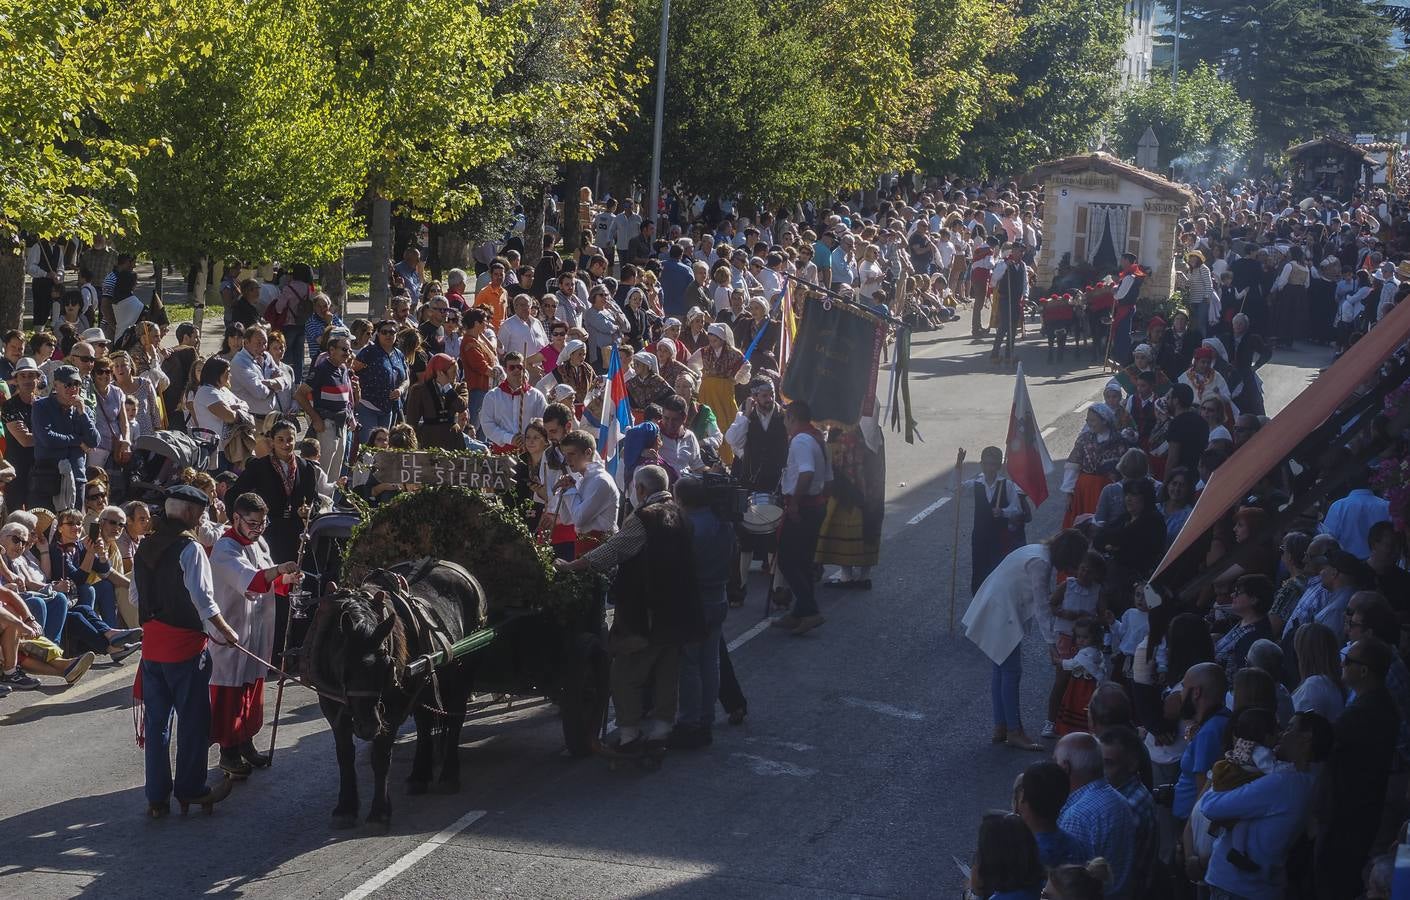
81	358
389	332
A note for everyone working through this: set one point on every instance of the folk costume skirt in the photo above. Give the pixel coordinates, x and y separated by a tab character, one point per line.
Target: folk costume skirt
1084	496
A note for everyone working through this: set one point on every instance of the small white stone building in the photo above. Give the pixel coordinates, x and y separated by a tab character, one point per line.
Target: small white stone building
1096	207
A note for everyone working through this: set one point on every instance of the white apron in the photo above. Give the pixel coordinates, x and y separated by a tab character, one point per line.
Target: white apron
233	567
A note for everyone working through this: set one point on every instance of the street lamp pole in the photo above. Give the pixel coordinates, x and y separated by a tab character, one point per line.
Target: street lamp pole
654	191
1175	54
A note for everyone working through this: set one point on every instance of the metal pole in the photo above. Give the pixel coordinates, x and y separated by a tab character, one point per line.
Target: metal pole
653	192
1175	54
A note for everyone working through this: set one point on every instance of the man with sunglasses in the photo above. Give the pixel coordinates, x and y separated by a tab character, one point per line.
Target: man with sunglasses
246	580
328	399
63	434
510	407
382	379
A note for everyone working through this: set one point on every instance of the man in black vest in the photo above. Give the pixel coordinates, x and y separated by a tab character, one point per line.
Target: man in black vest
760	443
172	589
44	262
658	607
1010	280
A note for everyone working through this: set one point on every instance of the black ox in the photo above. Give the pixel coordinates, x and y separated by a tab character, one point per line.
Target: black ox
357	653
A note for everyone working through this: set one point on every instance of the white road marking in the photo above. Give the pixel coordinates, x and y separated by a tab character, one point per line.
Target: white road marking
1048	432
921	516
788	745
749	635
761	766
421	851
886	709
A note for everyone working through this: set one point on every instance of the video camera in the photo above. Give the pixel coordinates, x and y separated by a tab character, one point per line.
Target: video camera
727	498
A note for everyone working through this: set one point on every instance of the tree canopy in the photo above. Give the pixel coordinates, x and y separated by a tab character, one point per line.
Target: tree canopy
1202	125
1305	66
1063	68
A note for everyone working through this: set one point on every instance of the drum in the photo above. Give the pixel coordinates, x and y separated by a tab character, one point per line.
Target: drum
762	516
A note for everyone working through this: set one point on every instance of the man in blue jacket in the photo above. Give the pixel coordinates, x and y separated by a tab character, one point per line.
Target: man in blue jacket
63	434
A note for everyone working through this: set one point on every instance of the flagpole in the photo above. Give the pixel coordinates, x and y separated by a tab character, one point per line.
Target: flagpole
955	544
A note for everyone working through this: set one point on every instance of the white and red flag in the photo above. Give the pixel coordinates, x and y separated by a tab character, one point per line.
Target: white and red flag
1028	460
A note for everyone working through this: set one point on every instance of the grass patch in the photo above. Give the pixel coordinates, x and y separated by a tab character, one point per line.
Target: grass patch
360	284
182	313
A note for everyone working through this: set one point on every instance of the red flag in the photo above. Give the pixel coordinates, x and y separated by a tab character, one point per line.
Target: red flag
1028	460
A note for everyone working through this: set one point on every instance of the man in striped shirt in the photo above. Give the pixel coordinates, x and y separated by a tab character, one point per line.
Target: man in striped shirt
329	398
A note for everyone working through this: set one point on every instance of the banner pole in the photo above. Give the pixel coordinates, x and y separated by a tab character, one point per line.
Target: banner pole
955	543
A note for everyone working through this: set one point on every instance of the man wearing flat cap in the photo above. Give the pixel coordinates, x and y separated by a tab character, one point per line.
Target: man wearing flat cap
63	434
174	593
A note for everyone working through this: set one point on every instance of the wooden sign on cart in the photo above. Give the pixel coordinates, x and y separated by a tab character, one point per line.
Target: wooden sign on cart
474	471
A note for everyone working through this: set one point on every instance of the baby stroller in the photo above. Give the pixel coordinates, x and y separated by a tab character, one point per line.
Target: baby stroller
158	458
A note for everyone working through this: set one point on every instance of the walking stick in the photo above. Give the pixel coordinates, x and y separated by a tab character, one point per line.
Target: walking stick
288	630
955	544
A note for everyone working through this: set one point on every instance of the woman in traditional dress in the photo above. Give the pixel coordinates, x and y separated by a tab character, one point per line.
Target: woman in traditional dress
721	367
1097	447
851	532
1203	378
667	357
435	404
1143	360
694	336
647	387
699	418
1112	396
246	580
572	370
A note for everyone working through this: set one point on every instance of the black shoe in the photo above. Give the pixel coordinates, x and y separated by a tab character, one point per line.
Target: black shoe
232	765
19	680
736	716
252	756
689	737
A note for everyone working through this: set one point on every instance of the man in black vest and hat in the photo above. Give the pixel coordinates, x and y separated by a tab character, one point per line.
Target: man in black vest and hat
760	443
658	607
1010	280
175	598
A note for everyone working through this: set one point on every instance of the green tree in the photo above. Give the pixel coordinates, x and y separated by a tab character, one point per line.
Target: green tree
955	43
745	112
1203	126
1305	66
267	161
65	68
1063	62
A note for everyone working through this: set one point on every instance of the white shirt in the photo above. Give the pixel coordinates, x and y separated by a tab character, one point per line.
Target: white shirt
737	435
504	415
1319	694
591	504
206	397
524	338
682	453
806	454
769	279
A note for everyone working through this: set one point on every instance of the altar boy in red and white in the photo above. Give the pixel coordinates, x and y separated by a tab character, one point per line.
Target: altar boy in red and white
246	582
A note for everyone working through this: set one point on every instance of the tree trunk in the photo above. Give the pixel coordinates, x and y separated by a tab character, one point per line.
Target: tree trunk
454	251
381	233
12	288
534	204
198	294
333	278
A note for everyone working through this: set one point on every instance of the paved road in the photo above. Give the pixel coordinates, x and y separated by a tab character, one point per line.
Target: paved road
863	766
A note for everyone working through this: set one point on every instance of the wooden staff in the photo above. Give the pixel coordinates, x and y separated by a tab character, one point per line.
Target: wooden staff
955	544
288	631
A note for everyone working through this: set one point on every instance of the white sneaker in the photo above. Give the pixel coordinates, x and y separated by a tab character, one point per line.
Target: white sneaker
626	734
1049	730
655	730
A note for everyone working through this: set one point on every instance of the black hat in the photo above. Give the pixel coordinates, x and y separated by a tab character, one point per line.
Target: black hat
189	494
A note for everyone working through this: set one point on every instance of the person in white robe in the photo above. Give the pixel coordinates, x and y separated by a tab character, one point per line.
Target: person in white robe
246	580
